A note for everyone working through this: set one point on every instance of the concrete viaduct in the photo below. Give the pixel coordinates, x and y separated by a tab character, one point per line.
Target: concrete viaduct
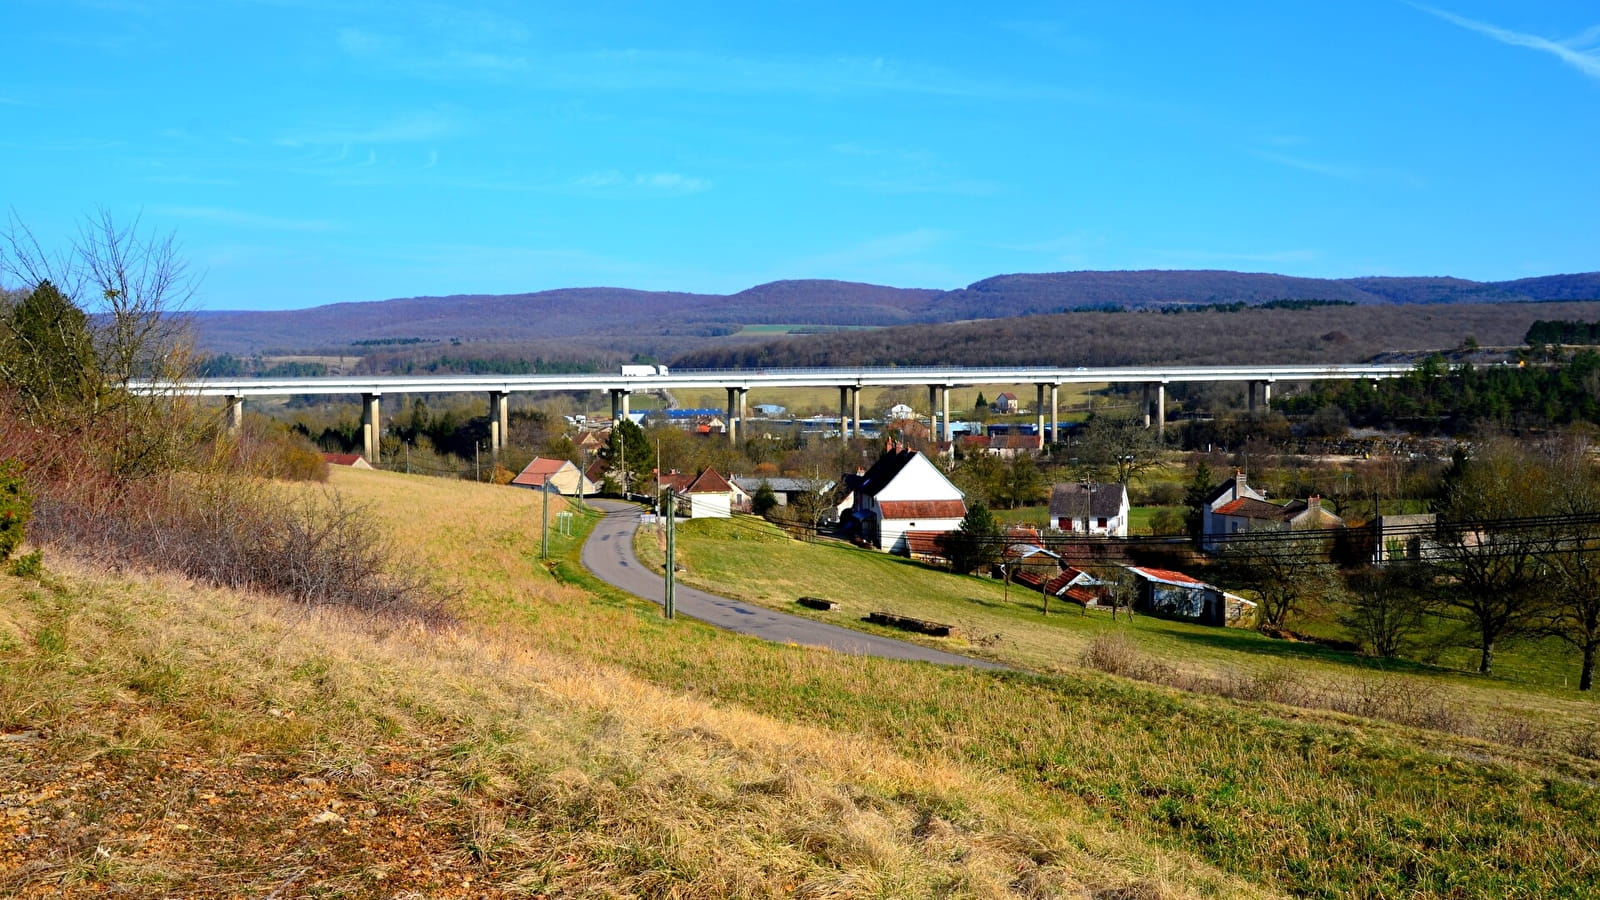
738	383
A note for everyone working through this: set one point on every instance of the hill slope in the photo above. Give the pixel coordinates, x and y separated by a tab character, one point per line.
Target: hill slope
1331	334
662	323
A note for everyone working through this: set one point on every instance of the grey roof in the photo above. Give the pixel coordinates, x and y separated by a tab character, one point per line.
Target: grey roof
752	483
1080	500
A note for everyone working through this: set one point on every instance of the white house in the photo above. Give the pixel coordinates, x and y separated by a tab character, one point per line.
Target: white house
562	476
1235	508
903	491
705	496
1090	508
901	411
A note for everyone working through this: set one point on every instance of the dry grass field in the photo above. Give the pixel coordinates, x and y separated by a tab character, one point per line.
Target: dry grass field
162	738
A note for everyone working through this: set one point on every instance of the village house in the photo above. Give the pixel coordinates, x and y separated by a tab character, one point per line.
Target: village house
1005	404
704	496
561	475
1236	508
353	460
903	491
785	489
1174	595
1090	508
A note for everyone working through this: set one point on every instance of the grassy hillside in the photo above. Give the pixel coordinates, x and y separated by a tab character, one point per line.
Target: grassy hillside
747	558
1327	334
565	741
162	739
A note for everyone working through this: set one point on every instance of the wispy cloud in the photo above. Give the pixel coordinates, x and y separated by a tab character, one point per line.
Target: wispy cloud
243	219
421	125
672	183
1578	51
1331	170
631	69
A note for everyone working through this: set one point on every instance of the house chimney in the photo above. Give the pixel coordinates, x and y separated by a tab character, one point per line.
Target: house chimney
1238	483
1314	503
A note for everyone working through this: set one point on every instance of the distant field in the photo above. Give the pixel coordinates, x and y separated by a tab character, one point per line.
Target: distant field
754	330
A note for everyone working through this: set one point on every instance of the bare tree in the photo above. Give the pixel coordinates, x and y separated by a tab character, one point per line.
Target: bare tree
1284	569
1387	607
130	286
1117	449
1494	558
1575	557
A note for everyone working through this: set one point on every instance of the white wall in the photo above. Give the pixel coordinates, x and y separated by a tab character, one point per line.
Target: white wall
892	532
919	480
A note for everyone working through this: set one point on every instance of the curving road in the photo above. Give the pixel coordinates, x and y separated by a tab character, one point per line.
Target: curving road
608	553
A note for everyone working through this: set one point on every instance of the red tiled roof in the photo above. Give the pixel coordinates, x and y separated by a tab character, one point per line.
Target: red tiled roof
1165	575
342	459
1081	594
675	480
925	543
1014	442
1025	577
1251	508
538	471
922	509
709	482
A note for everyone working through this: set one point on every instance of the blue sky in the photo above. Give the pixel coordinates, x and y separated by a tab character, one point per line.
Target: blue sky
332	150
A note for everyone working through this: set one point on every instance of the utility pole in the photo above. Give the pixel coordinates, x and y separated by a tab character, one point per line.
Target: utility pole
477	471
672	563
544	530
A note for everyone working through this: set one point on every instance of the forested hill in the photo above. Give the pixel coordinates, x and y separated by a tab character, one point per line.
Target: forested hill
1309	335
596	313
665	323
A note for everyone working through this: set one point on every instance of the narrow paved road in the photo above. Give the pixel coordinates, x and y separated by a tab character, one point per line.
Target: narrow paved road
608	553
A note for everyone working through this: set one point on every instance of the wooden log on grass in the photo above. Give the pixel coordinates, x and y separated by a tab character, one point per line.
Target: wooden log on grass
907	623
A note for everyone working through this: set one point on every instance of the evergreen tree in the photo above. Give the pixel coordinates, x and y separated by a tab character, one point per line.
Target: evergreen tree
47	354
1200	487
977	542
630	454
764	500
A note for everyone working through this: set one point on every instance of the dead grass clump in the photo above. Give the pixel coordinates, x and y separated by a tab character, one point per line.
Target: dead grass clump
1410	702
315	549
1117	655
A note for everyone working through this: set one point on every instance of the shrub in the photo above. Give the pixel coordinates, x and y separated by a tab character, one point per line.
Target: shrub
16	507
764	501
28	565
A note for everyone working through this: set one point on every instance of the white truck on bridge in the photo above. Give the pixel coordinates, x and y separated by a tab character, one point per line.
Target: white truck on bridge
642	371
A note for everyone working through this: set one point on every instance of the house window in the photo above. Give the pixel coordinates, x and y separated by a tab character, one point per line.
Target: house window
1100	522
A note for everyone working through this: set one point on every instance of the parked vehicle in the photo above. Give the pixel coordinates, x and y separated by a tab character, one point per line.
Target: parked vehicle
643	371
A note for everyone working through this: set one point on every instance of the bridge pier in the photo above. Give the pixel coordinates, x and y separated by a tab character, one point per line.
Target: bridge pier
1145	403
855	410
1265	388
736	412
1161	410
944	406
1055	413
499	420
1038	411
619	404
371	427
234	415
